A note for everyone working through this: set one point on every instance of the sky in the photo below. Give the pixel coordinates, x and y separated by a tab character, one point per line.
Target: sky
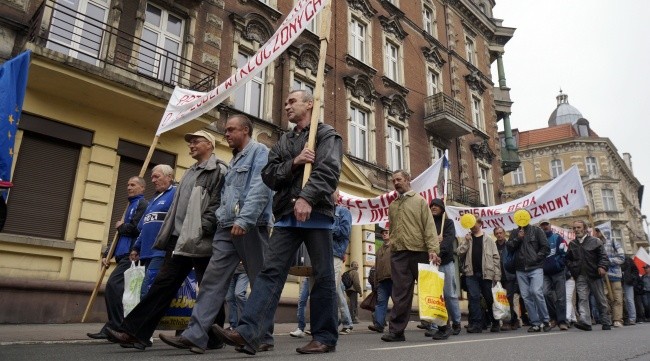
598	53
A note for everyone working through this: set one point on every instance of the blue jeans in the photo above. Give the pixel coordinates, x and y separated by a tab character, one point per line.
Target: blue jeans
302	302
152	266
344	311
384	289
263	301
477	287
236	297
450	291
531	286
628	291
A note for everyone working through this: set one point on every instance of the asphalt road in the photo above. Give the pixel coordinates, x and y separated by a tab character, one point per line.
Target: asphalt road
626	343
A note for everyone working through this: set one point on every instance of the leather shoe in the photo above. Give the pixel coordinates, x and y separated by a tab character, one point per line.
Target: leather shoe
233	338
376	329
261	348
97	336
393	337
125	339
181	342
315	347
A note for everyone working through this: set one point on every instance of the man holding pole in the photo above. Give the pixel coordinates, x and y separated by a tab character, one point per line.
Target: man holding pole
303	214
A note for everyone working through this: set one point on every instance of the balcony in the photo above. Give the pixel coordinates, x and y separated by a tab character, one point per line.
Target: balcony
502	102
443	116
462	194
84	37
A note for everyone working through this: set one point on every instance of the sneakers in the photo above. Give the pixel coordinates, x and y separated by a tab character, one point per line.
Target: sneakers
617	324
534	329
308	332
563	326
297	333
442	334
455	329
393	337
607	327
547	326
583	326
345	331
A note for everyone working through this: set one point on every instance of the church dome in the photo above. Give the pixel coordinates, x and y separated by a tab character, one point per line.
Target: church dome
565	113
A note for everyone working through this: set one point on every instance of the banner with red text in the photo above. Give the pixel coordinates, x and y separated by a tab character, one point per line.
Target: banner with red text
375	210
185	105
567	234
560	196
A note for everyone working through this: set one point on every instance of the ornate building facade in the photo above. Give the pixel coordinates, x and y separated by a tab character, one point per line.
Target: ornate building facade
614	193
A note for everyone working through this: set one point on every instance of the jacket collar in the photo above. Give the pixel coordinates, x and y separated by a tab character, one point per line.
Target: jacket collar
243	152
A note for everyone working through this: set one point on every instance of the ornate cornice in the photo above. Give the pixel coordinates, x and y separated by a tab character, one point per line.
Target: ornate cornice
388	82
306	56
433	55
363	6
271	12
482	151
474	81
393	26
253	27
361	86
396	105
352	61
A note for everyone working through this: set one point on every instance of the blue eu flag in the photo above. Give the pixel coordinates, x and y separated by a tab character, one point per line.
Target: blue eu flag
13	82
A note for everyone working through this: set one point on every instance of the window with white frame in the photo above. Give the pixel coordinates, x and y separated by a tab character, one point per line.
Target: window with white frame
249	98
358	39
556	168
77	29
592	166
395	147
518	176
609	202
436	152
298	83
162	43
429	20
477	113
433	80
470	48
617	236
392	61
358	133
484	184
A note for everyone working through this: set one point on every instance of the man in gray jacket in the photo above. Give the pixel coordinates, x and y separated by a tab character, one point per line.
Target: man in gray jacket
186	235
243	224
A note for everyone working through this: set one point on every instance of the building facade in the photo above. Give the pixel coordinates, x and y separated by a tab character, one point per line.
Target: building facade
404	81
613	192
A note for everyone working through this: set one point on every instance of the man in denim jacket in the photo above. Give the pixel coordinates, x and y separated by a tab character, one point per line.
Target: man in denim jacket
243	224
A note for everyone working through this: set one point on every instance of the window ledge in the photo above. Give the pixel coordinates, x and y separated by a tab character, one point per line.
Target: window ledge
352	61
393	84
36	241
274	14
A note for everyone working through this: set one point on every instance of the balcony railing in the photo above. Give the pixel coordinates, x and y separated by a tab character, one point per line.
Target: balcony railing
63	29
443	103
463	194
445	117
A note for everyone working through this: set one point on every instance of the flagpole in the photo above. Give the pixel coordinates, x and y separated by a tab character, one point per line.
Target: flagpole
444	190
111	249
326	15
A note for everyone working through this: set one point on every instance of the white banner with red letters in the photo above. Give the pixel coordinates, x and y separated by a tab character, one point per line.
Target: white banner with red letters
375	210
185	105
560	196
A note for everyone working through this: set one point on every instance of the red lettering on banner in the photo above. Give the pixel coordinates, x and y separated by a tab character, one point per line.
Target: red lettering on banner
379	214
186	99
228	83
359	204
259	59
523	204
372	205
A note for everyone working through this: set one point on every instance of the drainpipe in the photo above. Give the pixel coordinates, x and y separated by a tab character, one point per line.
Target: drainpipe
507	130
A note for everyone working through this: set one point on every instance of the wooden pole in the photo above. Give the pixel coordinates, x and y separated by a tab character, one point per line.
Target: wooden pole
326	15
111	250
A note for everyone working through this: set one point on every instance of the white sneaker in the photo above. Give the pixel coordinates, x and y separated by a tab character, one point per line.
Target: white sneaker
297	333
617	324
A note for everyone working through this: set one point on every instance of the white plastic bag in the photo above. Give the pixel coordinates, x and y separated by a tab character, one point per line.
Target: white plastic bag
500	306
133	278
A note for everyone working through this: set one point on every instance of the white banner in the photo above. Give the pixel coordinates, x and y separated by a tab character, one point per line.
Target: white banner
567	234
185	105
375	210
560	196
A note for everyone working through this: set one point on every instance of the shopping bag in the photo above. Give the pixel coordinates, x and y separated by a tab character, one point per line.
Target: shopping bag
369	302
500	306
132	283
431	300
301	264
177	316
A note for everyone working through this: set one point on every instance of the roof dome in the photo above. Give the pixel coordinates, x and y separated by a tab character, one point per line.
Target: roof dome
565	113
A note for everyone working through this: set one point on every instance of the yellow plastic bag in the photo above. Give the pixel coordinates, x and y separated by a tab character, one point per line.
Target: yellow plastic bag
430	297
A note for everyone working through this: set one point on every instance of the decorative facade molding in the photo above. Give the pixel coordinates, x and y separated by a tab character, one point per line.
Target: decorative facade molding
482	151
433	55
388	82
253	27
367	69
397	106
393	26
474	81
306	56
362	6
361	86
271	12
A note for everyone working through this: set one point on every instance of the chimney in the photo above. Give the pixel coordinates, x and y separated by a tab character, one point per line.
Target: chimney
627	158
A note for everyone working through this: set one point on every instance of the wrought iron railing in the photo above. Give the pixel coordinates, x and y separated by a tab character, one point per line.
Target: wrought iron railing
61	28
463	194
443	103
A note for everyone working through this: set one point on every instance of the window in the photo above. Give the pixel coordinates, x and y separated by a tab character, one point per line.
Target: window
428	21
161	46
556	168
471	50
592	166
77	29
392	61
358	133
484	185
617	236
302	85
477	113
436	152
250	97
395	148
432	82
358	33
609	203
518	176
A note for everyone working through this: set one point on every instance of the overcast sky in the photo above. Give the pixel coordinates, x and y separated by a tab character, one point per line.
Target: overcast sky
598	52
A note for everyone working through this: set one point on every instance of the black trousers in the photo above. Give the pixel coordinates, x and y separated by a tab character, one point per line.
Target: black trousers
404	273
113	293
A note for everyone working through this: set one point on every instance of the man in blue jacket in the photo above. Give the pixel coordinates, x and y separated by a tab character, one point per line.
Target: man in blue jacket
127	232
243	225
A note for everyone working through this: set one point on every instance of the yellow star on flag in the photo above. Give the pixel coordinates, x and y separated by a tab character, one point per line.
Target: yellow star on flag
11	119
8	135
11	152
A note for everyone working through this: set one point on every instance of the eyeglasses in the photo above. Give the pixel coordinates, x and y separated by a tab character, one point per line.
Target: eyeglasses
196	141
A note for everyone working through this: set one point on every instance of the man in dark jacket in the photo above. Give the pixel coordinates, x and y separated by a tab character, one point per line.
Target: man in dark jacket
531	249
448	267
630	279
508	280
302	214
588	263
354	291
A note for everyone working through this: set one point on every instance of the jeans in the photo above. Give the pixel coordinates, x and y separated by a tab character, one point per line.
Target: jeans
236	297
628	291
531	286
384	289
302	302
450	291
555	295
258	316
152	267
344	311
570	286
585	285
477	287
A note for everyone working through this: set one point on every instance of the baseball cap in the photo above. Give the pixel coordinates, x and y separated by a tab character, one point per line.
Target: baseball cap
201	133
544	221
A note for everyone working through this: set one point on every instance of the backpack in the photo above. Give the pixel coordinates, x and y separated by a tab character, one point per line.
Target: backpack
346	279
554	264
